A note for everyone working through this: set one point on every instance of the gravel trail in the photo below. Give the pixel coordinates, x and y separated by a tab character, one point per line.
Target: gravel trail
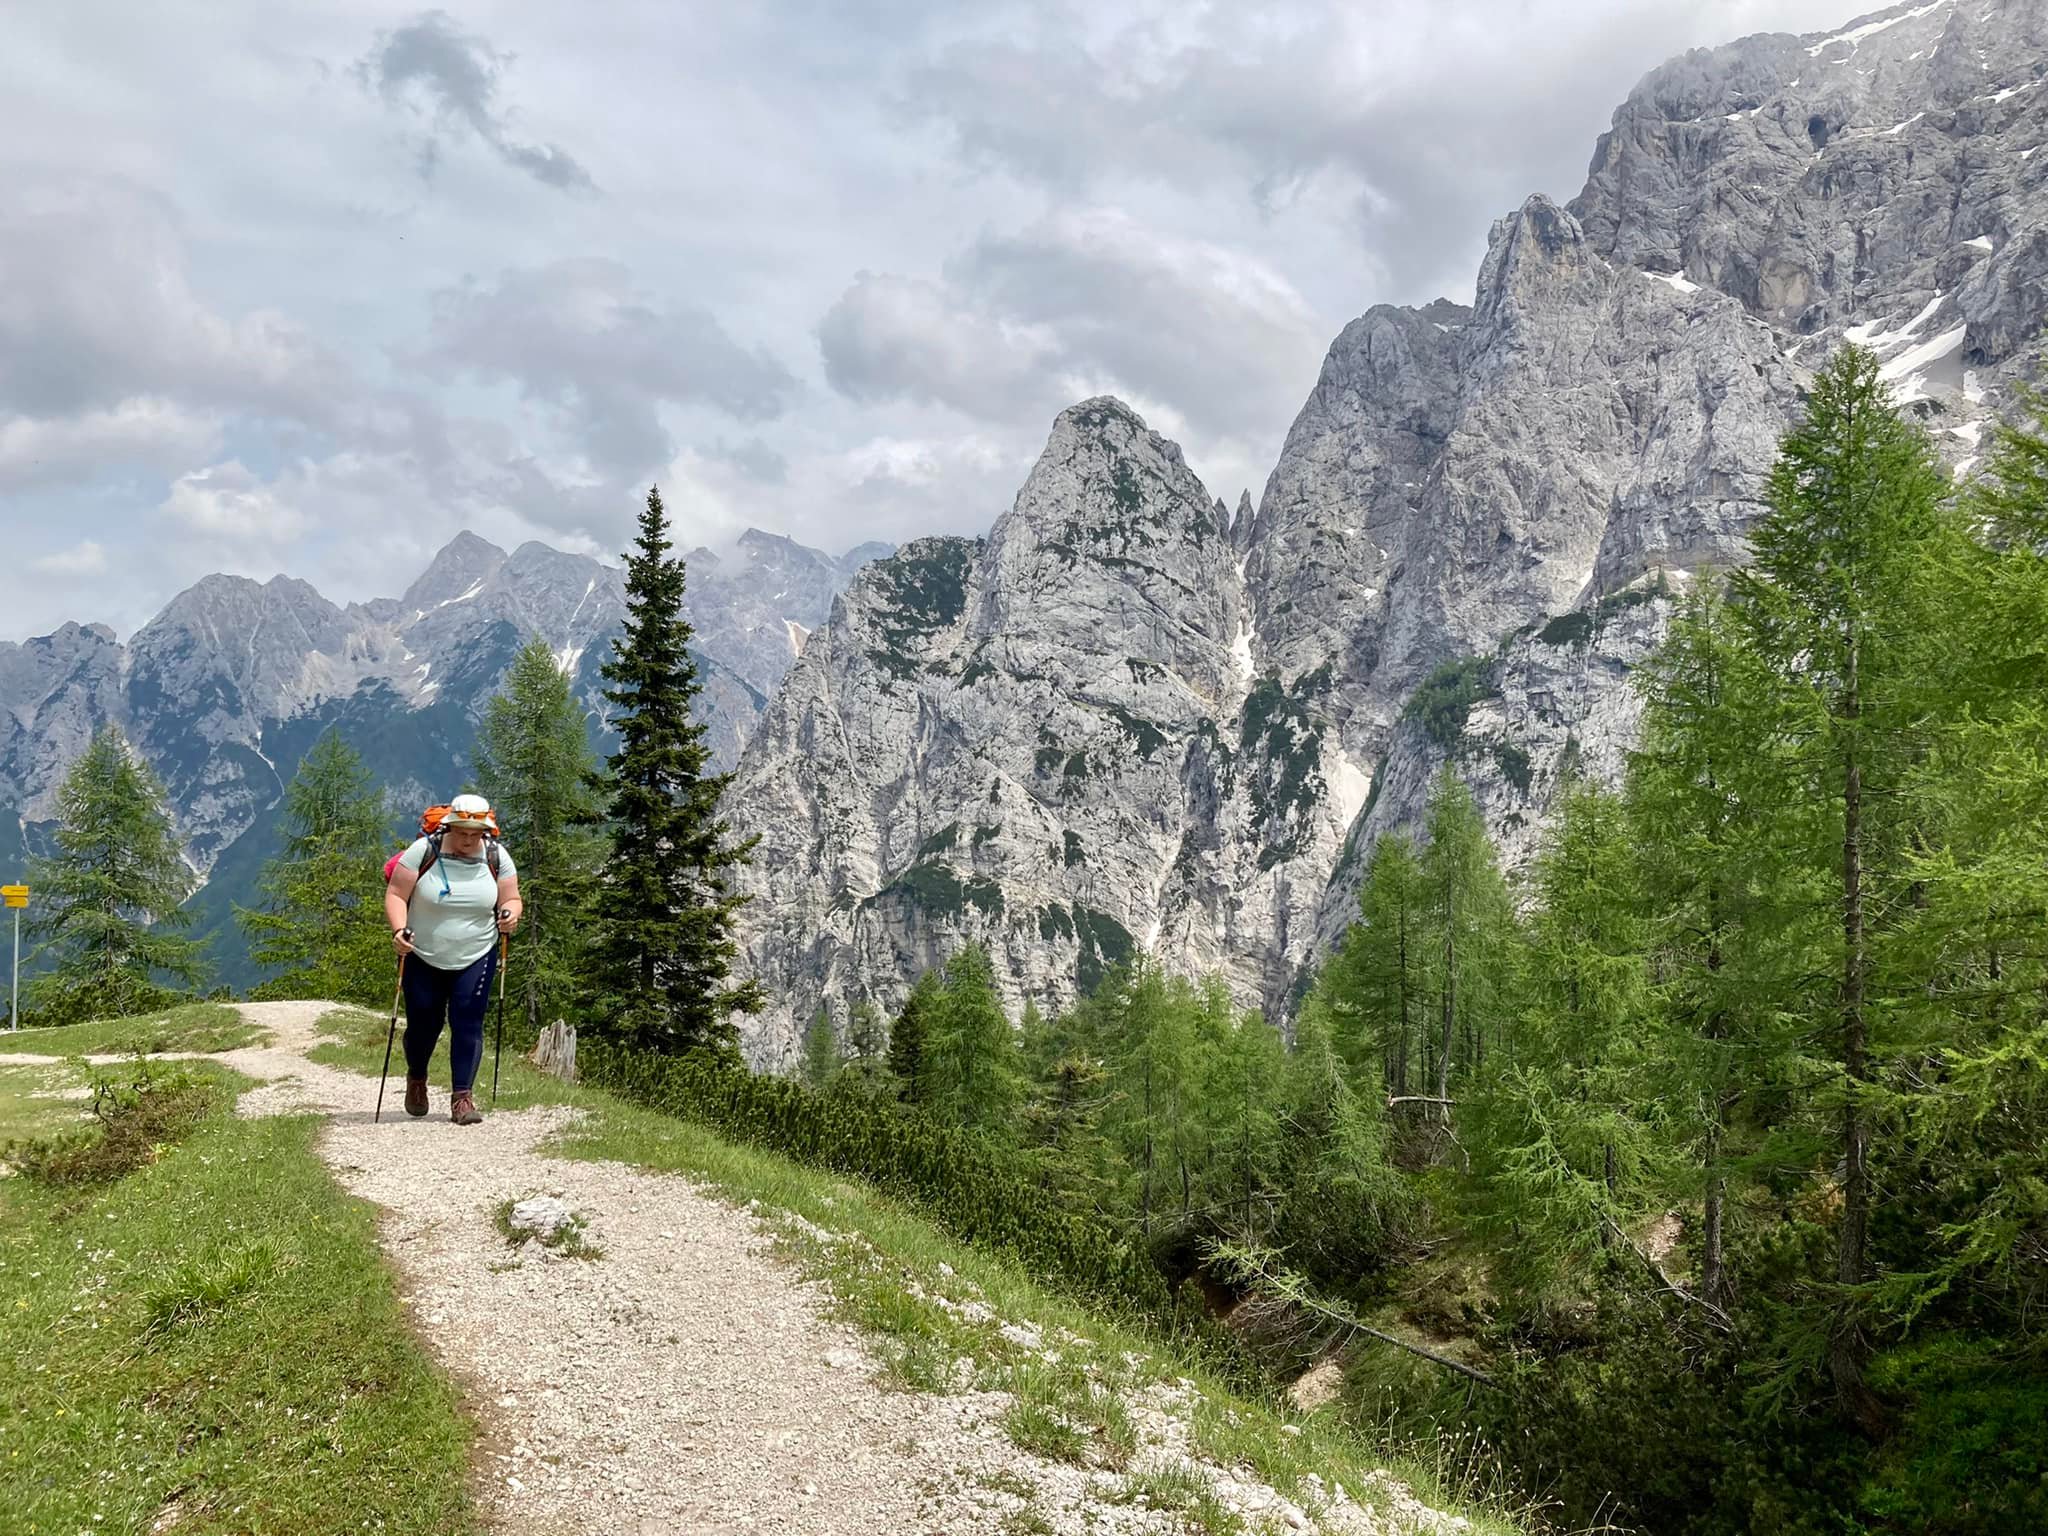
678	1384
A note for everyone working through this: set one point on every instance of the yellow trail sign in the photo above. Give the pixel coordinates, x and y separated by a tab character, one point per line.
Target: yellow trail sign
14	895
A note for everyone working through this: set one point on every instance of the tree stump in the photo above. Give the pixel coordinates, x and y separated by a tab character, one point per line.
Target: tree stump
555	1051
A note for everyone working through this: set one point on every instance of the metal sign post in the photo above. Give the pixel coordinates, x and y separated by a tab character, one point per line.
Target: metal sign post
16	896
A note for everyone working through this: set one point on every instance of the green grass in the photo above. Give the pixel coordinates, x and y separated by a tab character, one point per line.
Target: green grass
215	1335
207	1027
135	1113
1184	1492
26	1108
1068	1412
930	1302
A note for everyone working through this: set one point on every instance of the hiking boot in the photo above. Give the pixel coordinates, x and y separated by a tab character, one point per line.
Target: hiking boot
415	1096
462	1109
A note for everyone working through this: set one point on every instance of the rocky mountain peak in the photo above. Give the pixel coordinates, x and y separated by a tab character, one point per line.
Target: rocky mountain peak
1877	182
1113	534
1537	259
460	567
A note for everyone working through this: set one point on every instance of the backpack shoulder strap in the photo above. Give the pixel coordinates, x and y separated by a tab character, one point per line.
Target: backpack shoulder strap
433	852
491	857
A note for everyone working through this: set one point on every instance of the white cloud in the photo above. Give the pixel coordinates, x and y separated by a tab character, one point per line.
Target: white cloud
226	303
86	558
582	337
889	337
100	311
147	432
1084	300
226	501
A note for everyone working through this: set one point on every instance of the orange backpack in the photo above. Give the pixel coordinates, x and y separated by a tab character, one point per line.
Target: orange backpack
430	828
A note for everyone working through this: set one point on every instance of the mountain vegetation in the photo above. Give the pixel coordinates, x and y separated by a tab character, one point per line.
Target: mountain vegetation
535	766
1699	1172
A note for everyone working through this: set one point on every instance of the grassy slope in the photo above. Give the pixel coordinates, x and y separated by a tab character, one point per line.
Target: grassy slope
922	1335
216	1334
194	1027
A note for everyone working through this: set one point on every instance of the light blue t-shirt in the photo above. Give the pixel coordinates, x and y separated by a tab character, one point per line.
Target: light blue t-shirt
453	911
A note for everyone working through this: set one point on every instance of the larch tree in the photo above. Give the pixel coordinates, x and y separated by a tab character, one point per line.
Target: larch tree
1836	603
108	927
321	926
1469	939
972	1071
535	765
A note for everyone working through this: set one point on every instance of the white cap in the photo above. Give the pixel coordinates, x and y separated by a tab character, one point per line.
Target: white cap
468	811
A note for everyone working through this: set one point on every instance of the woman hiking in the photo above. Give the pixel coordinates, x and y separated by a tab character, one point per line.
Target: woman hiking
445	926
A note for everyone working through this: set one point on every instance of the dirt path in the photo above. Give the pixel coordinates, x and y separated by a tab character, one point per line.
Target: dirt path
681	1383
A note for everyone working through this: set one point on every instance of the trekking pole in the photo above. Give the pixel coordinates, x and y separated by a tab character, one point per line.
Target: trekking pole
498	1052
396	993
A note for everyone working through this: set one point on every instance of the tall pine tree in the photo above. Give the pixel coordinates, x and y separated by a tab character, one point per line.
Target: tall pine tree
109	920
535	766
321	925
665	902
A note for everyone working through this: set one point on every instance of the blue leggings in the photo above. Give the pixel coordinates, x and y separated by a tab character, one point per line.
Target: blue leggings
458	998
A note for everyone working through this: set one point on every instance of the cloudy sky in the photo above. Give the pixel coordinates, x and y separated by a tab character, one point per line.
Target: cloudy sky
309	288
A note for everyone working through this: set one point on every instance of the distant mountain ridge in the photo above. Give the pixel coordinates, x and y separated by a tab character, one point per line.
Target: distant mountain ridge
226	688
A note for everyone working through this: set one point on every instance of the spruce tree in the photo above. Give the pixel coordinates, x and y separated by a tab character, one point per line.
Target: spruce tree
535	766
665	903
907	1036
321	926
821	1059
867	1048
108	921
